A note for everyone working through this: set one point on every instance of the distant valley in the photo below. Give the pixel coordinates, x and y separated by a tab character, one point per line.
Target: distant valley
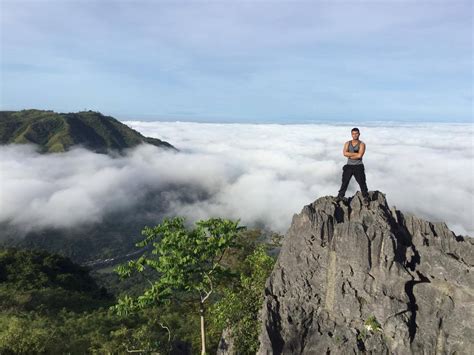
55	132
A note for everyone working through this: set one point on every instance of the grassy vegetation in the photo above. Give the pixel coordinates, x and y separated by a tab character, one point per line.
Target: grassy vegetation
48	304
57	132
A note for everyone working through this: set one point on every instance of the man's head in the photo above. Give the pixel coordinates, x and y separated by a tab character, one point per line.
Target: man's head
355	133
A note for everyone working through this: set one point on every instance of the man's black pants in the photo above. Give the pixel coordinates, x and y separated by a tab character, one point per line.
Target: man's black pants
359	173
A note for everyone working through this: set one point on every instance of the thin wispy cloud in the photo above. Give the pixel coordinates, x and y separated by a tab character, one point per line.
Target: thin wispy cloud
260	173
240	61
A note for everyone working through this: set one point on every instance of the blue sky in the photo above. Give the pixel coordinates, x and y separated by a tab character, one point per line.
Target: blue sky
240	61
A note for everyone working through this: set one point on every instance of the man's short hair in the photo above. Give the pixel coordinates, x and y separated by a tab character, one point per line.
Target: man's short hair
355	129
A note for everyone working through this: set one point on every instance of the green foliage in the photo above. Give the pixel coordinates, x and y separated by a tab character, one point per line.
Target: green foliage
187	261
240	306
27	270
33	280
372	325
49	304
26	335
57	132
99	332
60	311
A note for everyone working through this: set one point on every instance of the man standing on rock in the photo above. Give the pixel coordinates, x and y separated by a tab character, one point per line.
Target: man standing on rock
354	151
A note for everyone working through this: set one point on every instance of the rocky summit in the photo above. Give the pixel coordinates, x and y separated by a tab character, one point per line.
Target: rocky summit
369	279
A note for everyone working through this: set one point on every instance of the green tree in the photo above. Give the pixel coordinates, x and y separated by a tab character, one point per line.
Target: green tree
188	263
239	307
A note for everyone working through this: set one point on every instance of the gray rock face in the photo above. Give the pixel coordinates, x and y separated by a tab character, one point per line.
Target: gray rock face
226	343
356	279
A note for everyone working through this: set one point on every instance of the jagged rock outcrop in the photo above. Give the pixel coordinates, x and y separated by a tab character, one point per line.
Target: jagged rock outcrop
369	279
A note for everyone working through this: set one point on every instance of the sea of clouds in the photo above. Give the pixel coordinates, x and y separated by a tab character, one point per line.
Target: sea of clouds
259	173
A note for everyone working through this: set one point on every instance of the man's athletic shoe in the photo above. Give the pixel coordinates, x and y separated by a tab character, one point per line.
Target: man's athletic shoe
339	199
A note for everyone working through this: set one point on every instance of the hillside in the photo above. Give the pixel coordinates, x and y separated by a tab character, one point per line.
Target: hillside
57	132
50	305
31	280
355	279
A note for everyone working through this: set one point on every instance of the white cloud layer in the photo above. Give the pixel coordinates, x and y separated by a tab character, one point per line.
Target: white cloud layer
260	173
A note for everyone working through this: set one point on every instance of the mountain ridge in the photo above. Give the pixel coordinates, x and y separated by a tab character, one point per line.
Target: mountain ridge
58	132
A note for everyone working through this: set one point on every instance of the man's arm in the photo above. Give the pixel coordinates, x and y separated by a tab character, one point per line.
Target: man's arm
345	150
355	155
361	152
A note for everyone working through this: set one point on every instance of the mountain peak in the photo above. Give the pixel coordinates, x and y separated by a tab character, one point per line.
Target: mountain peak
58	132
355	278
